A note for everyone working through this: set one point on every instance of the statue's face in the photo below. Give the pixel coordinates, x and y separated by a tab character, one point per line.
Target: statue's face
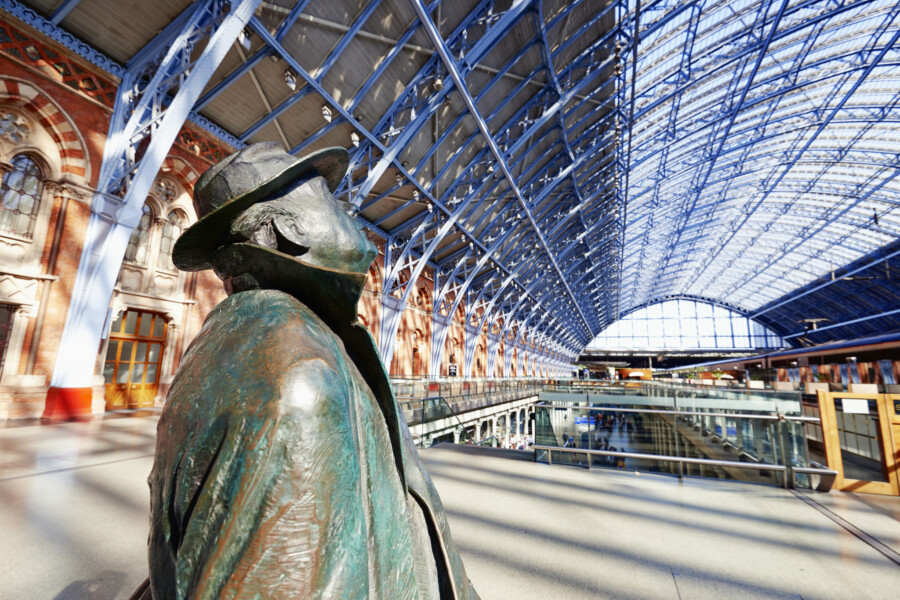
314	226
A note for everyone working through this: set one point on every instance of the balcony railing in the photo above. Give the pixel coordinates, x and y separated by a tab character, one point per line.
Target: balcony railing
407	387
742	434
421	401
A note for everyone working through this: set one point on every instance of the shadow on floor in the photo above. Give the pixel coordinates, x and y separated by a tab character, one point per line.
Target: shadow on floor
107	584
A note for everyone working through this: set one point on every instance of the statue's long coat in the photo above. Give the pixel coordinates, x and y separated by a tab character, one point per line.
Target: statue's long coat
276	472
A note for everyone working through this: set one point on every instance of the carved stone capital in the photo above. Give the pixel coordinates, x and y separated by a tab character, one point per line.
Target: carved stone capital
25	310
67	189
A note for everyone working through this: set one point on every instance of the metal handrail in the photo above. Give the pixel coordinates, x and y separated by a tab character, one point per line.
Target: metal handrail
827	476
664	458
521	390
681	386
483	441
815	471
449	406
437	402
775	417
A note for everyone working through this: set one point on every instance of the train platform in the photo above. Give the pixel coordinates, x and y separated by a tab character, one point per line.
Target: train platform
74	522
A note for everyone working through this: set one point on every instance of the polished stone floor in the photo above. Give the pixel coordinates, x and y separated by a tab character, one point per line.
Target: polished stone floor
74	504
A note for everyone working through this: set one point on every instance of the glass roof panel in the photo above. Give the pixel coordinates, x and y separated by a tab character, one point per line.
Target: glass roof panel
760	145
686	324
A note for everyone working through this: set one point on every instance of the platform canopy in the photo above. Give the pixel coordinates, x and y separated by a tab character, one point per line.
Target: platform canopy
560	163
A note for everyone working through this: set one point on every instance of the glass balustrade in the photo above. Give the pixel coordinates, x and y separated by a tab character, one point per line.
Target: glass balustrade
738	434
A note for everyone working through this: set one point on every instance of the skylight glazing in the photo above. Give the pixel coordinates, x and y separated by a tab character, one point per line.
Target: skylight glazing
686	325
763	146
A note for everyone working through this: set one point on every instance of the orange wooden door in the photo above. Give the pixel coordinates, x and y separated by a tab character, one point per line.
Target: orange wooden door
133	359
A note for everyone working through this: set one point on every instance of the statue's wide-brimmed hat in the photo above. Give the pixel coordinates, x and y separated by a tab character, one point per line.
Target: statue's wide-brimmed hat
228	188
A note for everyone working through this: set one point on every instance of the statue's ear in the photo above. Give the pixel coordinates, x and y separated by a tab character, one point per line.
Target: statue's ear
291	238
254	225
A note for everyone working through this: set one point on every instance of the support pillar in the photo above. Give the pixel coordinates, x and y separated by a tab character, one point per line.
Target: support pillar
492	347
469	357
507	359
144	111
440	327
391	311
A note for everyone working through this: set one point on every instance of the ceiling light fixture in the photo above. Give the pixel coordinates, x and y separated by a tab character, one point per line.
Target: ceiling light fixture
326	113
290	79
354	139
244	38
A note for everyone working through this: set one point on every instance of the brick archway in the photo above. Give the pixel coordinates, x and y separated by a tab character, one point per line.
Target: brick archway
180	169
72	153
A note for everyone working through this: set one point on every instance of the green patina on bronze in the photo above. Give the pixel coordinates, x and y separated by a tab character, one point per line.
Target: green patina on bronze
284	468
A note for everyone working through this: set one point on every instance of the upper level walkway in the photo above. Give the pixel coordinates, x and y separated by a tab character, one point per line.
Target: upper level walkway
74	512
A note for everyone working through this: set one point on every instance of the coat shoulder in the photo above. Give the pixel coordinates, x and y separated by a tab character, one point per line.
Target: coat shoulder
263	332
265	317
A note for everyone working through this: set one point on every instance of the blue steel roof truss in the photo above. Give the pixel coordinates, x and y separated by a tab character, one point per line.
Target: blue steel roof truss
561	164
762	156
581	155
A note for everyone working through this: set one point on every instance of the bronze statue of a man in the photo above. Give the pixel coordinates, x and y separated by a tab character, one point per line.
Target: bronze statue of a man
283	466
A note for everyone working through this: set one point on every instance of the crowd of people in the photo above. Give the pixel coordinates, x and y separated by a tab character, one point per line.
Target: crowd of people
625	427
518	442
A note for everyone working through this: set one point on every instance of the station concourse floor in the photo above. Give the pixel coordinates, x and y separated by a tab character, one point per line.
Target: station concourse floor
74	506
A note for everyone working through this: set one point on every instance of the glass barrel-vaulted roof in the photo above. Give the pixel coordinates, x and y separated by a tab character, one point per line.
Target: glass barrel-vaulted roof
559	163
764	146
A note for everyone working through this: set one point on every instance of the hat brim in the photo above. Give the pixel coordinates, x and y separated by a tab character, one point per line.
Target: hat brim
194	248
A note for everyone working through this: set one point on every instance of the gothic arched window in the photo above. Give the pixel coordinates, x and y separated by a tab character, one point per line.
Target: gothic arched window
20	196
139	243
171	231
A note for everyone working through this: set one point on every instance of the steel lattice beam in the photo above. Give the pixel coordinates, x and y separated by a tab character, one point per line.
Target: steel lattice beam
461	87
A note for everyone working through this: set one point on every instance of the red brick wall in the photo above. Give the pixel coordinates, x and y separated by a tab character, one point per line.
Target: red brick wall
91	120
370	303
71	244
206	290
